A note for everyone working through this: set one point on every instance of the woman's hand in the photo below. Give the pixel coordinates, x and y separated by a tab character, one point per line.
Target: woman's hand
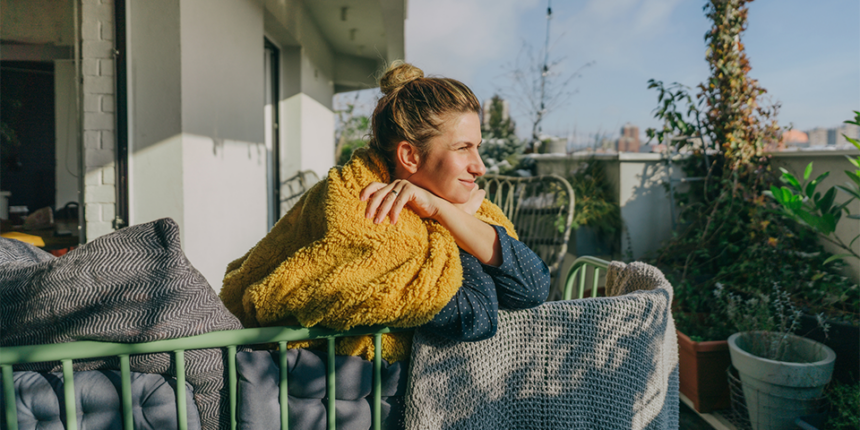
389	200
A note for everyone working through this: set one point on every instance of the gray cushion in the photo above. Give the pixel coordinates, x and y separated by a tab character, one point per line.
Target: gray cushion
306	375
41	405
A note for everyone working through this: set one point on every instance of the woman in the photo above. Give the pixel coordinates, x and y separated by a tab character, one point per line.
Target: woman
430	132
350	254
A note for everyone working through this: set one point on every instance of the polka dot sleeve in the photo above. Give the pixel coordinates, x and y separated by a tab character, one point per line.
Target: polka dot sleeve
520	282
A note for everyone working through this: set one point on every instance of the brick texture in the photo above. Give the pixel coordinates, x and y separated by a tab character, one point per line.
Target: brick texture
99	120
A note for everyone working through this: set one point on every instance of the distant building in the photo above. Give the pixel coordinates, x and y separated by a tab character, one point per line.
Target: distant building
794	139
629	140
817	136
822	137
849	130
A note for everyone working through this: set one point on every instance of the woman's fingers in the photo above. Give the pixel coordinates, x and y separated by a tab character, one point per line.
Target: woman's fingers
403	197
380	200
370	189
390	199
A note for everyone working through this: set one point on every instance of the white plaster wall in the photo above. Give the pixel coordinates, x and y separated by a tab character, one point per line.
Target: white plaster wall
222	68
66	121
317	136
307	142
291	136
224	202
156	186
155	111
646	208
637	182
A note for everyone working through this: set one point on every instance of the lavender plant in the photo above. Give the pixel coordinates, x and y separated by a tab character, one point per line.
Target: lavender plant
766	321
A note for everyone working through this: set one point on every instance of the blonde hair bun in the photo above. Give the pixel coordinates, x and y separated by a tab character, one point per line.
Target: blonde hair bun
398	74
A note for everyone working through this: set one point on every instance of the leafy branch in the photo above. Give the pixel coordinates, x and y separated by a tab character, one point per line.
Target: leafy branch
801	202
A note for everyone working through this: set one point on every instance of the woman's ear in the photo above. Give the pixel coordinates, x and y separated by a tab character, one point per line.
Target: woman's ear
407	156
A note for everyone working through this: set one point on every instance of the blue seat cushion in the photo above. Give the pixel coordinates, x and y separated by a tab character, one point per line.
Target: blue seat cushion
40	401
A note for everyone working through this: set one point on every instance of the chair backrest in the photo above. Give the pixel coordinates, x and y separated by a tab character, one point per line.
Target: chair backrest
293	188
541	208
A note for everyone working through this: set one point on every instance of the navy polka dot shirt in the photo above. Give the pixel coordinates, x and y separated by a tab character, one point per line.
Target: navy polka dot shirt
520	282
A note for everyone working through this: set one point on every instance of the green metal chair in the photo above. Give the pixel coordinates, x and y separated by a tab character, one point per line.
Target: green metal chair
541	209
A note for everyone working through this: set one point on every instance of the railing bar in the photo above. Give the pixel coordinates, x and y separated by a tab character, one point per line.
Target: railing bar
569	282
377	382
181	407
69	392
9	397
231	375
581	293
219	339
594	281
125	378
284	393
331	387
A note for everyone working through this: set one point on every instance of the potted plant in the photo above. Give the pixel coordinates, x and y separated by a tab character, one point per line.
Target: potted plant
783	375
800	201
596	216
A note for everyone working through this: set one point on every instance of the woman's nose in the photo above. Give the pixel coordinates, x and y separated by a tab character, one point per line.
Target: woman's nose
477	167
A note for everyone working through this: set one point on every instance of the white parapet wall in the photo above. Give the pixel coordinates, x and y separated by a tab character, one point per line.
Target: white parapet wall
639	185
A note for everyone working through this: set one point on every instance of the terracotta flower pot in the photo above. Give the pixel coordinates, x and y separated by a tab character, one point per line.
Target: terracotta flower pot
702	373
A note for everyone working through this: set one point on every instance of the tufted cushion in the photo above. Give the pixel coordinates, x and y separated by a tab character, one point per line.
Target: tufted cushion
40	401
306	375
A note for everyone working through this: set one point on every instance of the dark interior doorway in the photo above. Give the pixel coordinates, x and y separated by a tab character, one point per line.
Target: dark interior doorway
28	154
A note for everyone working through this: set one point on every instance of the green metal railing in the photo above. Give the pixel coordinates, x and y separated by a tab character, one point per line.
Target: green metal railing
578	273
67	352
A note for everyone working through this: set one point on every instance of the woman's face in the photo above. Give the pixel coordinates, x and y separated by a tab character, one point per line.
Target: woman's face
452	163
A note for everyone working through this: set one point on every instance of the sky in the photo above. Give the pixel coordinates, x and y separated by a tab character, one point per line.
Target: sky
805	53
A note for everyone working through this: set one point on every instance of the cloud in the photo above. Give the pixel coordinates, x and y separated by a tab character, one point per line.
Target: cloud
457	38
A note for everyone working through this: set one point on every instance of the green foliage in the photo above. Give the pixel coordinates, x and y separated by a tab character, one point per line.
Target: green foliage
353	132
728	232
802	203
844	408
593	204
765	321
501	146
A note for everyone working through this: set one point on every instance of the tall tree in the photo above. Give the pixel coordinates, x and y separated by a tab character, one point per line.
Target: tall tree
734	116
537	84
499	133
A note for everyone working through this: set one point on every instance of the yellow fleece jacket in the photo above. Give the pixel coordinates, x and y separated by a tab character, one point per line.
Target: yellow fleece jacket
325	263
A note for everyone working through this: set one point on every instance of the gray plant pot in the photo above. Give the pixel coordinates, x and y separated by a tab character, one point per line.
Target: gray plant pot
777	392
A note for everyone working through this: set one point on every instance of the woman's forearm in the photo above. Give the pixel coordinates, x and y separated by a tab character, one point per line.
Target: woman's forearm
473	235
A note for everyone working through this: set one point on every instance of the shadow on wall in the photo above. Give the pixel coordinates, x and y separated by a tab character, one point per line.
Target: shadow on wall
646	207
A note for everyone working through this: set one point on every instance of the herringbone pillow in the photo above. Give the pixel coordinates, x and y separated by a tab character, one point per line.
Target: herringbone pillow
133	285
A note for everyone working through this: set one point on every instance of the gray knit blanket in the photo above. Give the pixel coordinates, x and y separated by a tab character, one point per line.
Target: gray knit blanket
597	363
133	285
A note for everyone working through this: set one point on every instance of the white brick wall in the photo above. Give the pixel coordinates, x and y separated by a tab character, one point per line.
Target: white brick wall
97	67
